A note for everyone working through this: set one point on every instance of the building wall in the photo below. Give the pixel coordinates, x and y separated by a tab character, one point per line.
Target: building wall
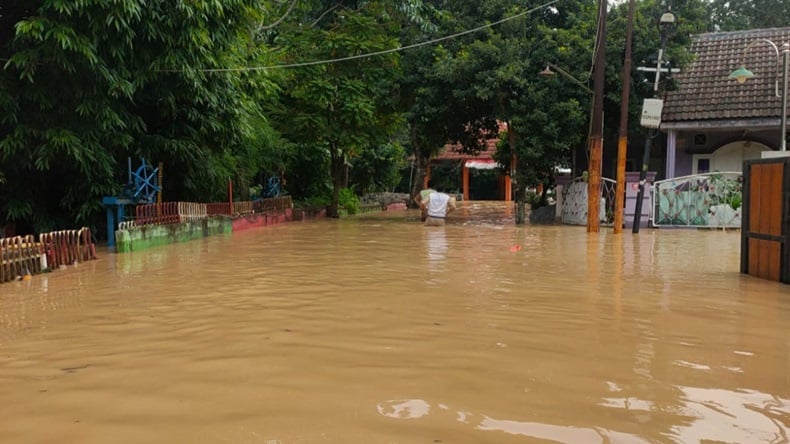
691	143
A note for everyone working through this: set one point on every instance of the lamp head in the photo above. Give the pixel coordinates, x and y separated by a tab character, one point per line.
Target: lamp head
667	23
546	72
741	74
667	19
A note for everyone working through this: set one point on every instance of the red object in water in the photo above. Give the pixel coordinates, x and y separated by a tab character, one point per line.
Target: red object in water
515	248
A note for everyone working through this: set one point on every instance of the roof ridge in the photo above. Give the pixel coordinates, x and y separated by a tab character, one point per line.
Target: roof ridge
743	33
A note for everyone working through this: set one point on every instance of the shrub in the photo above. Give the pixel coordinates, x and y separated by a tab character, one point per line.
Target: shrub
349	200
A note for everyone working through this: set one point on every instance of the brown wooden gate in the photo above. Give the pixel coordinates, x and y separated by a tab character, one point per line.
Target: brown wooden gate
765	230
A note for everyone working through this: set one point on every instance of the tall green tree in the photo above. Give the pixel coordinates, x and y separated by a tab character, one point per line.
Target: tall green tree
86	84
342	107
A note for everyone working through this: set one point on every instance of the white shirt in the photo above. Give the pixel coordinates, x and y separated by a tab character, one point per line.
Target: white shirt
436	204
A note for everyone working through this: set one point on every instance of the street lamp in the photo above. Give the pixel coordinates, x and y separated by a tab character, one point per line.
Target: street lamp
547	72
596	126
666	25
742	74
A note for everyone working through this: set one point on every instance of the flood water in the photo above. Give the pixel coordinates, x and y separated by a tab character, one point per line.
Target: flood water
378	330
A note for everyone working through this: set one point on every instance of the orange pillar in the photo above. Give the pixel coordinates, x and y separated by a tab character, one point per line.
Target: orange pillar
465	181
508	189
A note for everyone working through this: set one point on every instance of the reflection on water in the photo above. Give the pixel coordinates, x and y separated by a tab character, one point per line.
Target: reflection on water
377	329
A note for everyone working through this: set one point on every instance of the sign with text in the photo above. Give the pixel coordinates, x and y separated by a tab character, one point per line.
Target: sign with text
651	113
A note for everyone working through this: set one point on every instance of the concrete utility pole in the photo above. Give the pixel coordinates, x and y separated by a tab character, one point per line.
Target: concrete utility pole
596	132
622	142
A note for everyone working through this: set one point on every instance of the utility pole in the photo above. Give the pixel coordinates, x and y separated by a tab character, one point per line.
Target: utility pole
666	25
622	141
596	132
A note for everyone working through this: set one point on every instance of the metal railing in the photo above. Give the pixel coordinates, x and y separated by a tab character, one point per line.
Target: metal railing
67	247
175	212
574	202
700	200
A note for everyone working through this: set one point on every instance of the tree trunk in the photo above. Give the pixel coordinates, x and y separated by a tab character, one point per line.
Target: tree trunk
519	184
242	187
420	168
337	170
521	204
420	163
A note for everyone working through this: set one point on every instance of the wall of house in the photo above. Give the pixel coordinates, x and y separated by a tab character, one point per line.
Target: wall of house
691	143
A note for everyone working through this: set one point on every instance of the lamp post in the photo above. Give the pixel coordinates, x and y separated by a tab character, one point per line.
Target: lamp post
548	72
666	25
742	74
595	142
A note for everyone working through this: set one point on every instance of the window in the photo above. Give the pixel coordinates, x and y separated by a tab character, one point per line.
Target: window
701	164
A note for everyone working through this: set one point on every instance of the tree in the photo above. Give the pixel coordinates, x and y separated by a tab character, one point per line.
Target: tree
491	75
86	84
738	15
346	106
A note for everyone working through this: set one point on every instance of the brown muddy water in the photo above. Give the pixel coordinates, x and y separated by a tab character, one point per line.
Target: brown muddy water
378	330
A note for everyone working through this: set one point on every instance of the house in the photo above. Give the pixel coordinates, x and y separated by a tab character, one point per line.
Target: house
714	123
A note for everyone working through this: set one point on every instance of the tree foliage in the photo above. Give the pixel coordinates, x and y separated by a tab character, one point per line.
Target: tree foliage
344	107
86	84
737	15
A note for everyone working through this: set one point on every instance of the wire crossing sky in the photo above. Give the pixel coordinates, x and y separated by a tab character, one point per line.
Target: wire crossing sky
370	54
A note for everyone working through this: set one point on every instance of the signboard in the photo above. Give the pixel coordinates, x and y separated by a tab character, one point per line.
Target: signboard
651	113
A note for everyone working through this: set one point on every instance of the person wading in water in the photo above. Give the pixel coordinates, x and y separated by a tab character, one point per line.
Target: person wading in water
421	196
436	206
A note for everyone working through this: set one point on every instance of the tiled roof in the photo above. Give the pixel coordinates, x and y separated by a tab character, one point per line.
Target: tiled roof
451	152
706	96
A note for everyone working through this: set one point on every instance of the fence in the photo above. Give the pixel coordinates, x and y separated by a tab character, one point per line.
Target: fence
249	207
22	255
19	256
175	212
67	247
574	202
272	204
157	213
701	200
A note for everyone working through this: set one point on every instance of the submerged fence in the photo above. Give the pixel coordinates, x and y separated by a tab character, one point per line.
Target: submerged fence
22	256
19	256
175	212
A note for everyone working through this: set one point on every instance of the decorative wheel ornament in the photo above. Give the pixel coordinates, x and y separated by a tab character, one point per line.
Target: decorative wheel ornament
145	186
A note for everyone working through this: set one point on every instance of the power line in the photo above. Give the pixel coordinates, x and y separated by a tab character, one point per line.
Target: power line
371	54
